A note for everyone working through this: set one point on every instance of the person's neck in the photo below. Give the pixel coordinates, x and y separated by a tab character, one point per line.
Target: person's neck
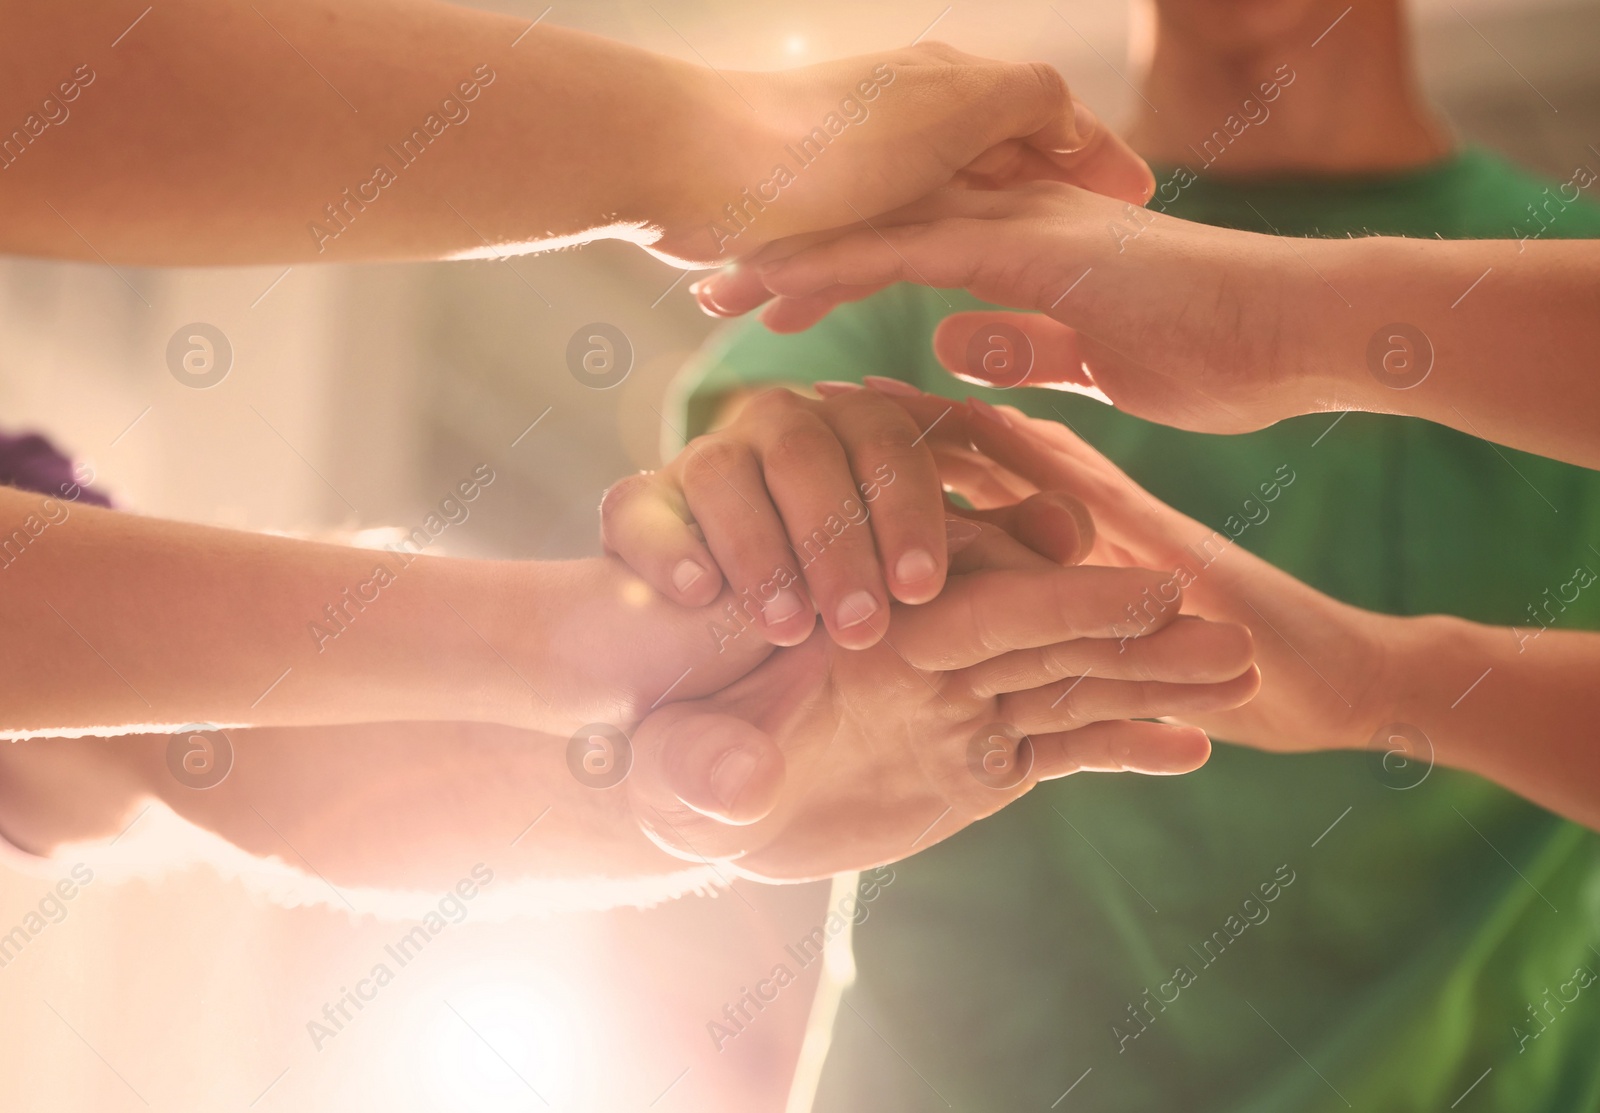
1352	105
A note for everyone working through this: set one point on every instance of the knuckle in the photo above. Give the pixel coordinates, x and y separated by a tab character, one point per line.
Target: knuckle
776	402
943	51
1051	83
1067	708
1055	659
889	437
800	444
989	636
710	459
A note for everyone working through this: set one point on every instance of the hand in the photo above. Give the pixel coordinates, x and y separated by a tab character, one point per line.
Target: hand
892	127
818	760
804	506
1179	323
1325	666
1019	671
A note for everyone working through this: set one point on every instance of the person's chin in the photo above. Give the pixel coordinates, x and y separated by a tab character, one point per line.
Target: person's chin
1240	26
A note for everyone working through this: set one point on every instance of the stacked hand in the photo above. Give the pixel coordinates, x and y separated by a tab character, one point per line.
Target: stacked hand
1324	664
828	145
865	741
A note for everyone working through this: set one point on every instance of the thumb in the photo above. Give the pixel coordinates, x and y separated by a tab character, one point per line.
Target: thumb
1053	524
692	761
1004	350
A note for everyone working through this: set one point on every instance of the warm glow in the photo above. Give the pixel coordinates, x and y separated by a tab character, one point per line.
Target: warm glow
501	1044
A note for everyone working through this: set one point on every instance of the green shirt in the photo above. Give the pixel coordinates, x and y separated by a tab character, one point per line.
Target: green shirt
1114	934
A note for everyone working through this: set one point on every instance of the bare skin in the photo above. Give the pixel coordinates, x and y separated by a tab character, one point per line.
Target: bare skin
825	785
1302	324
197	133
207	133
1288	345
1373	670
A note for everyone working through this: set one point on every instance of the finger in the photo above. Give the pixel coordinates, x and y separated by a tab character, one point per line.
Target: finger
899	485
730	292
1068	705
832	388
803	261
724	490
690	762
1097	158
1052	523
982	615
1051	456
1032	102
1158	749
1010	350
1042	452
740	288
643	521
830	541
1102	162
1189	651
980	547
984	484
787	315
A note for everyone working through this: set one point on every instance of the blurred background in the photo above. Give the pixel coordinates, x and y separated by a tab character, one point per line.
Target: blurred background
357	398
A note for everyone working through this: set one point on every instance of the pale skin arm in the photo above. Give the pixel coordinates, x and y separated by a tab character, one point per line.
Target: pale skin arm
220	133
1223	331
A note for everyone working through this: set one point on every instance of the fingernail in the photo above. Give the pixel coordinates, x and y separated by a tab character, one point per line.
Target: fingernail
959	533
915	566
686	575
857	607
783	606
731	773
892	386
709	306
832	386
988	412
705	292
1085	122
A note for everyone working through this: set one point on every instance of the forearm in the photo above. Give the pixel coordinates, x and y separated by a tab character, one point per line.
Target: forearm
1495	338
298	130
1520	710
117	622
391	807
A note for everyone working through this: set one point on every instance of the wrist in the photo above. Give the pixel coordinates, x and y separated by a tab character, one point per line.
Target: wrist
694	158
1431	664
521	601
1358	357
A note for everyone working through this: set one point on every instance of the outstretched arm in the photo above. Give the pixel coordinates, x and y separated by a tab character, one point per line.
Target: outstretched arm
291	130
1223	331
363	813
1518	707
117	622
827	759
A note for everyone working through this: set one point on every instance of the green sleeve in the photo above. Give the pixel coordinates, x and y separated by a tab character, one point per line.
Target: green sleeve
887	334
